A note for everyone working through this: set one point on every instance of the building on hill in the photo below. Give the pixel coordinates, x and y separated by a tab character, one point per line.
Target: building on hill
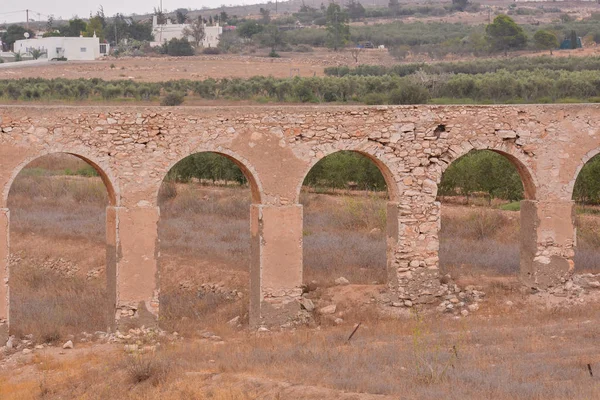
165	32
71	48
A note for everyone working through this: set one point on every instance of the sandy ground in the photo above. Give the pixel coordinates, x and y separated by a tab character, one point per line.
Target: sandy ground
153	69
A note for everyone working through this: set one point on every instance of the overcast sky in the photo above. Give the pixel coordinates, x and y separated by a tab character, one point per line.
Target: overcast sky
82	8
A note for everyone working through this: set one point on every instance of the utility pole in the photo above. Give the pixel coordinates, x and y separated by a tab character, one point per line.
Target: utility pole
27	16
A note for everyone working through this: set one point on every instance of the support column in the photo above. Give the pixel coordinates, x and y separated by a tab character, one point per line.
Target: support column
4	273
276	267
416	259
135	249
547	242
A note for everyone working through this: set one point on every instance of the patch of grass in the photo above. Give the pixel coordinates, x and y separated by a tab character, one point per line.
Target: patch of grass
514	206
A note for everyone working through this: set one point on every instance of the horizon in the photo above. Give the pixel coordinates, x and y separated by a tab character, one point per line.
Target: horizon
40	10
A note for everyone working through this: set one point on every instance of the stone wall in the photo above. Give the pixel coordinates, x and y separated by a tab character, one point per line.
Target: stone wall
133	148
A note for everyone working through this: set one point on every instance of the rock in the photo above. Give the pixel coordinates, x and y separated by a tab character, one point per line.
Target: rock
594	284
39	347
68	345
408	303
338	321
397	304
307	304
263	329
207	335
330	309
464	313
509	303
342	281
216	338
234	321
27	351
10	343
473	307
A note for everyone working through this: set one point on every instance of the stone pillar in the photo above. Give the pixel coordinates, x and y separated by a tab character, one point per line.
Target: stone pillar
4	272
547	242
416	258
135	250
276	267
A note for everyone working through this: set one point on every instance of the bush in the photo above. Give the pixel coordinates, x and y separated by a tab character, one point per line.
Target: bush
179	47
409	93
211	50
302	48
172	99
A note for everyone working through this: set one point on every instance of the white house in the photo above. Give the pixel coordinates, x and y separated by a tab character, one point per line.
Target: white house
165	32
71	48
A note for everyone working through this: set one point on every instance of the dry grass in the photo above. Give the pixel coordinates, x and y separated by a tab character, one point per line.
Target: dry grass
514	354
344	236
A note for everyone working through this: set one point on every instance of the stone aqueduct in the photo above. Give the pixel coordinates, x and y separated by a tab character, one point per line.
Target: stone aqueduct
133	149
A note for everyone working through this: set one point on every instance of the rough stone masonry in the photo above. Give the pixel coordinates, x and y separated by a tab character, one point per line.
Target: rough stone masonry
133	148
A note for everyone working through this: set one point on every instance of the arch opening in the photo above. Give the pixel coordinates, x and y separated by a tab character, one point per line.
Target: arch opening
204	239
58	250
586	196
481	239
345	196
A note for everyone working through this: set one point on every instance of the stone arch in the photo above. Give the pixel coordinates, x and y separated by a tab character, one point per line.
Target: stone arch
382	164
390	175
517	159
584	160
247	169
110	183
113	201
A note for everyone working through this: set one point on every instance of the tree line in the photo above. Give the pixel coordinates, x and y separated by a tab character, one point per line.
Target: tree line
478	172
474	67
501	87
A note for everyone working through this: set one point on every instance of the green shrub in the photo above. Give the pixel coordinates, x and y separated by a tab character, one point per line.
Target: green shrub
172	99
179	47
409	93
211	50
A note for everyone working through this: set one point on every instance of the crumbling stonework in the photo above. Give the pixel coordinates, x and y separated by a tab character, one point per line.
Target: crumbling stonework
133	148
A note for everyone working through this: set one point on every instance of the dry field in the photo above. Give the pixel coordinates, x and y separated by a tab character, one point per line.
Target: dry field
155	69
501	353
510	348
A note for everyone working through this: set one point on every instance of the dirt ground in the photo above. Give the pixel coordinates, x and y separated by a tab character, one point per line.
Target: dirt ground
154	69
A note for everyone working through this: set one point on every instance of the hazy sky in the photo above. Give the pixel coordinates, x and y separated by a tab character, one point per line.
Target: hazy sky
68	8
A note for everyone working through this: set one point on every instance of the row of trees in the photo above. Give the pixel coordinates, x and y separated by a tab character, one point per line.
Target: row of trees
492	174
336	35
485	172
472	67
540	86
482	171
341	170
